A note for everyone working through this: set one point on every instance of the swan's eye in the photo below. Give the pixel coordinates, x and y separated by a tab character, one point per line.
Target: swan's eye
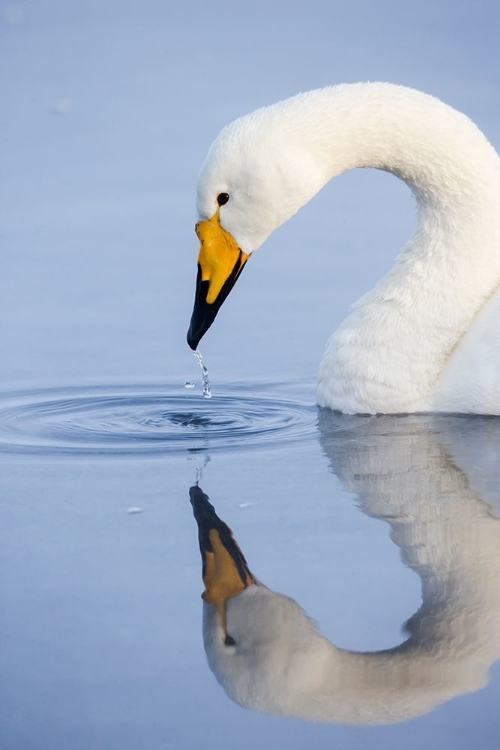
222	198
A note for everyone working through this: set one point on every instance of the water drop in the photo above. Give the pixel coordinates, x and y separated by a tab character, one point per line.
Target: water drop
207	393
188	384
201	469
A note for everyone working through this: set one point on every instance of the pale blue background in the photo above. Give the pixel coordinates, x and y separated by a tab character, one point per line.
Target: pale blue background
107	109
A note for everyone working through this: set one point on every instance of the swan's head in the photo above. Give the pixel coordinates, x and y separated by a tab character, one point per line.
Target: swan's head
257	174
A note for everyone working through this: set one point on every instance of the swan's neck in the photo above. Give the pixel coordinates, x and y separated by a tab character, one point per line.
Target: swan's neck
388	354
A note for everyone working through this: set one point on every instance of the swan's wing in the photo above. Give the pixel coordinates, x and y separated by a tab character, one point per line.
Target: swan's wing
470	380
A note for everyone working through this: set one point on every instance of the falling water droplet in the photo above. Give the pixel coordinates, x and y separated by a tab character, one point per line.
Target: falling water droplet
207	393
201	469
188	384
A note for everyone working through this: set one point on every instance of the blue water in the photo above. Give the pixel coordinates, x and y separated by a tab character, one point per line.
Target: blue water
108	111
150	420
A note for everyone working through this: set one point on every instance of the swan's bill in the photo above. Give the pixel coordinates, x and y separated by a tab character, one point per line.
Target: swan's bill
225	570
220	262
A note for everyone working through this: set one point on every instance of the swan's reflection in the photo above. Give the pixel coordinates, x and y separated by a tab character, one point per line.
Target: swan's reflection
269	656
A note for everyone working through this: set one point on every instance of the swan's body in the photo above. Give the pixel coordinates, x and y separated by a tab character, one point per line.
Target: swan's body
402	473
426	338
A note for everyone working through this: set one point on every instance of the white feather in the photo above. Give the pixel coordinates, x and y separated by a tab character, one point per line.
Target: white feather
404	346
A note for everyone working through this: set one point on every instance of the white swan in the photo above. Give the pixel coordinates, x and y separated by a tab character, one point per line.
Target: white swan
275	660
426	338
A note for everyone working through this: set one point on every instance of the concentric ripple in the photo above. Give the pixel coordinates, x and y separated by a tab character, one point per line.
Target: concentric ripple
147	420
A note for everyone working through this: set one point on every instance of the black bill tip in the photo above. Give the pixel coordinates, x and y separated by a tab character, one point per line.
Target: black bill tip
204	313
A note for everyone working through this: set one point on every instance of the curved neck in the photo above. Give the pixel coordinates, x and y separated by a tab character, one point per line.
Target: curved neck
439	152
450	267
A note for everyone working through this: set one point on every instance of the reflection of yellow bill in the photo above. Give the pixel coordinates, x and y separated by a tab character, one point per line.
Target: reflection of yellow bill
225	570
222	577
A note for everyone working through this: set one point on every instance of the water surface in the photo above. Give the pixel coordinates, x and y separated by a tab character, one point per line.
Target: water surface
108	111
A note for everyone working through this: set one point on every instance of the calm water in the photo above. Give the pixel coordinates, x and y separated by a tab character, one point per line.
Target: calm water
384	530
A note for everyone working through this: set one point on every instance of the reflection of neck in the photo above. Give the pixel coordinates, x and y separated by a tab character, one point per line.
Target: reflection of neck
454	546
446	534
445	531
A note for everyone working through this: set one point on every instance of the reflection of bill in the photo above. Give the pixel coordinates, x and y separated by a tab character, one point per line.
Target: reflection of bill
268	654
